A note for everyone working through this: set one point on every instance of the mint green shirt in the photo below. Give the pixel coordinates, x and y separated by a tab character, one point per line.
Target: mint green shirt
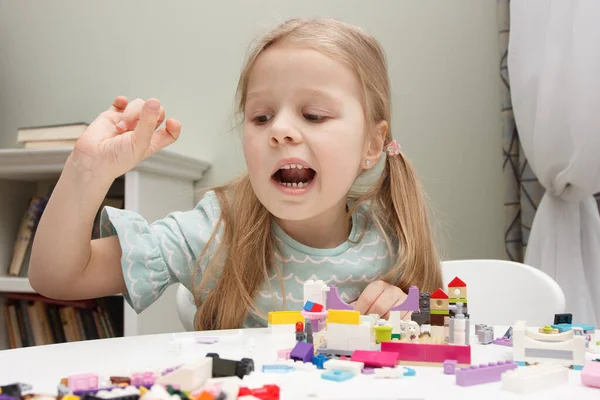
156	255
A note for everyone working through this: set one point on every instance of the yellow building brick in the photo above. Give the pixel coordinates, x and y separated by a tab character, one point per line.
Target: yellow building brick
348	317
285	317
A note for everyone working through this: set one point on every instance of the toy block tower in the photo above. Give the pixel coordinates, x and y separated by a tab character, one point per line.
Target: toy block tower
439	313
457	293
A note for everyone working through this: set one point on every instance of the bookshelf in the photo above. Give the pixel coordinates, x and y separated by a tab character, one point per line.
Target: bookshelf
160	184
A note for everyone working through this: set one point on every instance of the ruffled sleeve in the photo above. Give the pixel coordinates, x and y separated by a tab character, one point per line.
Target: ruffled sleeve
158	254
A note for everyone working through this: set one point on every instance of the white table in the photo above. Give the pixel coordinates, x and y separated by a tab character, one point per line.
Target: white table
44	366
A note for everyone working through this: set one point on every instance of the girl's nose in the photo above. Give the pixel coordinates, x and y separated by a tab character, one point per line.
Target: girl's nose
283	131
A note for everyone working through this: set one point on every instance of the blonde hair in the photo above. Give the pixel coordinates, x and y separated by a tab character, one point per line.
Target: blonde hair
244	258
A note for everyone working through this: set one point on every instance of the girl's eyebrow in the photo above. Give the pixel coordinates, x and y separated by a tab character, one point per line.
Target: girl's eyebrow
311	92
322	93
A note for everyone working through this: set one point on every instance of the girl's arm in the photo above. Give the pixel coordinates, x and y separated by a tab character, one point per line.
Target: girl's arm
64	262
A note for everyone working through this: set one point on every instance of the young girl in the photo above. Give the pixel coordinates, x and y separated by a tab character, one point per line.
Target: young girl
328	195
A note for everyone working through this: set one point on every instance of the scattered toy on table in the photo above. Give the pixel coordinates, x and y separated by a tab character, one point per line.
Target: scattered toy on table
206	339
590	374
506	339
565	348
223	368
484	373
450	367
534	378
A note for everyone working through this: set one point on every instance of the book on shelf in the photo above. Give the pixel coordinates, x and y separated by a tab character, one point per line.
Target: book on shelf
19	265
25	234
46	144
50	133
33	320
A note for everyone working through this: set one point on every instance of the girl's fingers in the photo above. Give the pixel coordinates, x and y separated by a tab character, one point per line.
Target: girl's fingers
129	115
119	104
144	131
126	124
369	296
384	302
164	136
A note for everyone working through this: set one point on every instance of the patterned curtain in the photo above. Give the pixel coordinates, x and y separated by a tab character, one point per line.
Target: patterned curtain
523	192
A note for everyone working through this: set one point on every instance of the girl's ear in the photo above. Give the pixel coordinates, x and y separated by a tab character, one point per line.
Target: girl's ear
374	145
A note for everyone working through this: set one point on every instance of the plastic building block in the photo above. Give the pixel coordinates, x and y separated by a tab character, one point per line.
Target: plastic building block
590	374
319	360
83	382
283	354
191	376
120	380
301	365
15	389
409	372
221	388
347	317
563	319
479	374
302	352
428	354
375	358
309	332
334	302
207	339
503	341
383	333
368	371
535	378
223	368
568	327
284	317
412	301
267	392
278	368
300	335
338	376
450	367
147	378
354	367
309	306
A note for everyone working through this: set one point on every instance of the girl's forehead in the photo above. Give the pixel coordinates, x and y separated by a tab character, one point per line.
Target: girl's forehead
293	67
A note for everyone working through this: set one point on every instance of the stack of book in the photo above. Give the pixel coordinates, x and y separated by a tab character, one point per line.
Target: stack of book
43	137
33	320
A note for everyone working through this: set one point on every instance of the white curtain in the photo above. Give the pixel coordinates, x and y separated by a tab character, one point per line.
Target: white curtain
554	70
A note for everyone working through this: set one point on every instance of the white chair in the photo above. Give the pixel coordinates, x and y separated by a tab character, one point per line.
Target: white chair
186	309
501	292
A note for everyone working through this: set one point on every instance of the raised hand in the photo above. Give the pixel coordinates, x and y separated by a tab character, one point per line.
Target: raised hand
123	135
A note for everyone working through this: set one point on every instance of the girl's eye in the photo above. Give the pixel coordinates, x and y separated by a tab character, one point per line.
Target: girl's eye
262	119
314	118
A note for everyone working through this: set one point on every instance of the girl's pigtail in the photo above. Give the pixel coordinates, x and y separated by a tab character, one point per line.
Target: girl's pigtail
402	201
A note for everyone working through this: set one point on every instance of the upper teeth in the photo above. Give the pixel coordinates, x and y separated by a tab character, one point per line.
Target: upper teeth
288	166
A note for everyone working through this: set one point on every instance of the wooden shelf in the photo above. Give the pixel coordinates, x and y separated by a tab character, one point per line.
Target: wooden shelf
37	164
15	284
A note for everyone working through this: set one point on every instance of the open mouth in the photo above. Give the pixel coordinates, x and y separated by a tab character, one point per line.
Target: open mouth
294	176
